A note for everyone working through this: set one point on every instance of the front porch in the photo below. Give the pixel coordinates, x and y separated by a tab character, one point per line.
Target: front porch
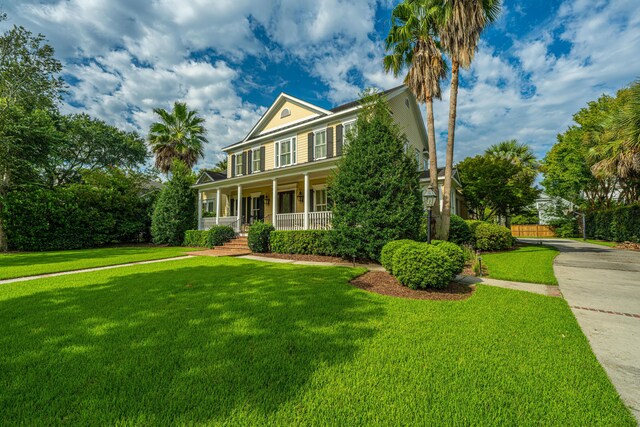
296	202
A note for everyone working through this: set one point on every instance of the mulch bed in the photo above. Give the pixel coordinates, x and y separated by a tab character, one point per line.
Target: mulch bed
298	257
384	283
629	246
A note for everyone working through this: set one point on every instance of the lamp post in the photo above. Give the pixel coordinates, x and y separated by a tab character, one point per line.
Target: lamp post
429	198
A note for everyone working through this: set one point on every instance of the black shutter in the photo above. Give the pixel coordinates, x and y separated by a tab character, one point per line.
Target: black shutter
233	165
311	202
244	209
329	142
262	158
310	145
339	138
261	208
249	156
244	163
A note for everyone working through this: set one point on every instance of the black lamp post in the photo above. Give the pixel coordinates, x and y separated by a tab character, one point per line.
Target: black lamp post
429	198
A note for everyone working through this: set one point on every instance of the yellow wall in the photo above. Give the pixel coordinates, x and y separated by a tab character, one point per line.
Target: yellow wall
404	117
298	112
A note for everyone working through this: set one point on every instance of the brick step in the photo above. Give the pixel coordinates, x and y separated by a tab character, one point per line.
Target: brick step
234	246
222	251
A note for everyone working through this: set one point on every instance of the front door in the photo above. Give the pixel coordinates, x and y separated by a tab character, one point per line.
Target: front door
286	202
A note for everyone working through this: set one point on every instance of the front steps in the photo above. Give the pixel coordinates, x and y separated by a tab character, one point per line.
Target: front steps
235	247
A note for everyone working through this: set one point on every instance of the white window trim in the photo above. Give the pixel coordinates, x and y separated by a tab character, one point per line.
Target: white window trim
236	165
253	156
293	152
315	204
344	132
326	143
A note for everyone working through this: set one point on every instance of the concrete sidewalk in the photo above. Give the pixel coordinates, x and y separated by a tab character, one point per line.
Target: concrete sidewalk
602	286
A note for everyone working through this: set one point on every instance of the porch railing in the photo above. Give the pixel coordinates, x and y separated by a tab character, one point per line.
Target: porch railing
289	221
320	220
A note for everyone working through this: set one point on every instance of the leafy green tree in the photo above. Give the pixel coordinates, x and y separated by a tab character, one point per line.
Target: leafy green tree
376	189
221	166
179	135
91	144
175	209
463	22
413	45
495	187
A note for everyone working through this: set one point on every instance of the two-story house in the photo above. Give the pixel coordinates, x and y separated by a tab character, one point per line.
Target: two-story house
278	172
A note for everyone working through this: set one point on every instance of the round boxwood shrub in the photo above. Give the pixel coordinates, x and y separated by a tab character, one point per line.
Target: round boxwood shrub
493	237
422	266
258	238
459	231
389	250
473	225
454	252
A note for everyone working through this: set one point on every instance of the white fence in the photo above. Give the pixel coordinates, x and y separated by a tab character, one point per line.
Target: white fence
320	220
290	221
231	221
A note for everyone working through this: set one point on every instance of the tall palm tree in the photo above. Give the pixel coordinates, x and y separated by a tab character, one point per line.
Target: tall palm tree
179	134
459	32
515	152
412	45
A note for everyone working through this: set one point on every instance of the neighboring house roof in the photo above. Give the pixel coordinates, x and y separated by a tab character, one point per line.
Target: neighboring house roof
316	113
427	175
210	176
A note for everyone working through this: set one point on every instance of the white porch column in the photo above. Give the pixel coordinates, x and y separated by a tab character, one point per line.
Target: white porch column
306	201
239	201
274	201
200	225
218	206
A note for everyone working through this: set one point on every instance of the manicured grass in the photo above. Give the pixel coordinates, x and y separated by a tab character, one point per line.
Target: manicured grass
596	242
212	341
18	264
531	264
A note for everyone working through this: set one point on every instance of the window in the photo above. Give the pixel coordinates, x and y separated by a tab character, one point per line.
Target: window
285	152
209	206
285	113
239	165
348	131
320	145
256	160
320	200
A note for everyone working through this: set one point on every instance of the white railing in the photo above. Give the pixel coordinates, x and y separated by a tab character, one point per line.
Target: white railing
231	221
320	220
207	223
290	221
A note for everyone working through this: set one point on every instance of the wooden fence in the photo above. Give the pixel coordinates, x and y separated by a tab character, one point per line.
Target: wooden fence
532	231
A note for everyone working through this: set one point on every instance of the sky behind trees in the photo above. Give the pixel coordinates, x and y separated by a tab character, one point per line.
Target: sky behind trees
538	65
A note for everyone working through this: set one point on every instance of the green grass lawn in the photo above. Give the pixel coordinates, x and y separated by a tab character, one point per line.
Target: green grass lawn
532	264
18	264
596	242
213	341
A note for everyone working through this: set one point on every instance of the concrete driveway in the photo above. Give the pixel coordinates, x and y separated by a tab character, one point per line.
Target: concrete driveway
602	286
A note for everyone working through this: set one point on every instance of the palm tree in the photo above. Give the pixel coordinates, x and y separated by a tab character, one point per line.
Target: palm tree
179	135
460	29
221	166
412	44
515	152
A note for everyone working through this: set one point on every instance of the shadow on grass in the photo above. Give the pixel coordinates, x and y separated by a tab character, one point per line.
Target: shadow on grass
190	345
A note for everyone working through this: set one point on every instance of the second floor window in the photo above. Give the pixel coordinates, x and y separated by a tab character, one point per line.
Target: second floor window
349	131
239	164
320	145
285	152
255	160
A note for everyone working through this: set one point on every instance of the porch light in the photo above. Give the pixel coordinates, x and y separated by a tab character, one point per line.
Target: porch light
429	197
266	199
300	197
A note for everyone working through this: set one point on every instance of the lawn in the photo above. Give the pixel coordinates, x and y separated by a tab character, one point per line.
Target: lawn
18	264
213	341
532	264
596	242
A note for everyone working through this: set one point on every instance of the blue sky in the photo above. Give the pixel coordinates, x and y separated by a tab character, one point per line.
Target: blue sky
540	63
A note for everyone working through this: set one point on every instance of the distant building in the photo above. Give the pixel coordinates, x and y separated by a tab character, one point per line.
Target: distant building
545	204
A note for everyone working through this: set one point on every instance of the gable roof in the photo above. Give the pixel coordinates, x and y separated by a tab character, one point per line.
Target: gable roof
427	175
319	113
210	176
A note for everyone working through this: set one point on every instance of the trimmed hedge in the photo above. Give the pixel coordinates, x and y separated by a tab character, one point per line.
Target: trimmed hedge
620	224
473	225
493	237
259	236
459	231
389	251
421	265
454	252
304	242
217	235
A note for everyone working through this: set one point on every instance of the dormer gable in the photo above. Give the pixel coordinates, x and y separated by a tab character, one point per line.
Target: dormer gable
285	111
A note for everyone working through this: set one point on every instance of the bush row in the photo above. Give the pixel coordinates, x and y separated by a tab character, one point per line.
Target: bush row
217	235
306	242
620	224
422	265
259	237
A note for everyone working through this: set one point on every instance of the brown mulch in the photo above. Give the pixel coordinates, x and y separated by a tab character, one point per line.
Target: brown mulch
629	246
384	283
298	257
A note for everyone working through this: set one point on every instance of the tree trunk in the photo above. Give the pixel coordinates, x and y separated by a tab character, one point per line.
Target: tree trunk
448	169
433	160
